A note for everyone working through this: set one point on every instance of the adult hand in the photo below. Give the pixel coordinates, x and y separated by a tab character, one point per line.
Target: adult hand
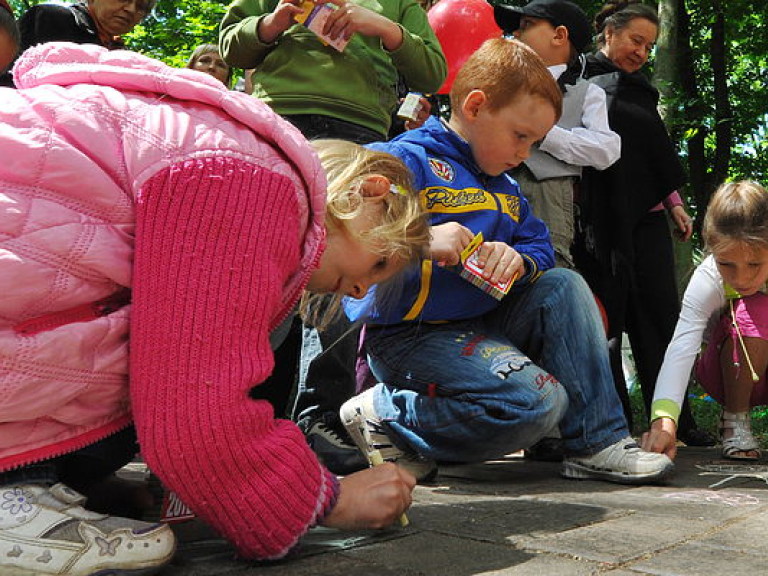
282	18
661	438
372	498
350	18
448	240
683	223
500	262
422	116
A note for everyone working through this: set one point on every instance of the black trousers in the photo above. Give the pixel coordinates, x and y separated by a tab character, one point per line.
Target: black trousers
651	311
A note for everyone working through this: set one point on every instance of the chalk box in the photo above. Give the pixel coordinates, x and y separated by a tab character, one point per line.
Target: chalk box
411	106
471	271
314	16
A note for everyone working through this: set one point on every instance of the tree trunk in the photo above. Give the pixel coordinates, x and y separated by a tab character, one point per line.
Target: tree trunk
669	62
723	112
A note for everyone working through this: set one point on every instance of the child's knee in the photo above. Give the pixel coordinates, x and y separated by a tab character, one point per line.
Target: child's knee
555	406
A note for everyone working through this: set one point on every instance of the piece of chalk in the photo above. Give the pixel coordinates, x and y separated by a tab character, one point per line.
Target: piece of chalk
375	458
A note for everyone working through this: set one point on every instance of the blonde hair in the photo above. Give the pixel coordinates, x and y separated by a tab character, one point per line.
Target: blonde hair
403	232
505	69
737	214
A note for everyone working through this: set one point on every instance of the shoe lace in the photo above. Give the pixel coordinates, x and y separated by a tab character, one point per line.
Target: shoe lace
326	430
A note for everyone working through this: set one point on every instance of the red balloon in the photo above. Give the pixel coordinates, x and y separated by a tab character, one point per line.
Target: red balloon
461	26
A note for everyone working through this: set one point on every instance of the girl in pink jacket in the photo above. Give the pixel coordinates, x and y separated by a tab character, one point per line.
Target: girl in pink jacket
134	195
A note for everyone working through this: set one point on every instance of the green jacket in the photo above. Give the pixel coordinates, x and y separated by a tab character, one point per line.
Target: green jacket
299	75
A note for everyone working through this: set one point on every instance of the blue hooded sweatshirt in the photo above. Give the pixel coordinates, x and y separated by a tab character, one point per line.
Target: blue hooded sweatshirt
452	188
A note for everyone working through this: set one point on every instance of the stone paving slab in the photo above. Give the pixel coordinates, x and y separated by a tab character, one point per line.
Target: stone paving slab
516	517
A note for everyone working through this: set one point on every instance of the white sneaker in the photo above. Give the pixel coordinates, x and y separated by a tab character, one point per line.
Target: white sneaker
623	462
366	430
46	531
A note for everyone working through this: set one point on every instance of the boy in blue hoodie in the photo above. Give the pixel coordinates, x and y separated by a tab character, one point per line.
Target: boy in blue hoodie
467	377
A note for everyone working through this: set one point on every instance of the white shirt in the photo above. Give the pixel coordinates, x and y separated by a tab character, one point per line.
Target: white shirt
703	304
594	144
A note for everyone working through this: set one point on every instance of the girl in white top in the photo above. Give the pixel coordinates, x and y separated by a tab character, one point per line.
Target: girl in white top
725	307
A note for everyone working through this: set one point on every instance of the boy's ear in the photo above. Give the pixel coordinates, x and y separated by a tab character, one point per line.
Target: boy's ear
473	103
561	36
375	187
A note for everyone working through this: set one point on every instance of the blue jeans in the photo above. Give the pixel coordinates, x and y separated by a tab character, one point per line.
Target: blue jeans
481	388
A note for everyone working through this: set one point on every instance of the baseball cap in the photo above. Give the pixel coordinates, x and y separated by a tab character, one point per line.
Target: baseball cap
558	12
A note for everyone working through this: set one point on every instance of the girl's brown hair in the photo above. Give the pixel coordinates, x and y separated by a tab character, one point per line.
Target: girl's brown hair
737	214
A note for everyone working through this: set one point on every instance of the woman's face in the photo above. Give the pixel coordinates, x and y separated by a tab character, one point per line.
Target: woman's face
213	64
118	17
630	47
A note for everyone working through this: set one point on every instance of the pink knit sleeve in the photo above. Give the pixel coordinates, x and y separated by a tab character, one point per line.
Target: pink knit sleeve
216	240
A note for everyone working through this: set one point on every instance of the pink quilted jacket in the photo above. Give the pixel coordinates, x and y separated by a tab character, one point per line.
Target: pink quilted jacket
117	173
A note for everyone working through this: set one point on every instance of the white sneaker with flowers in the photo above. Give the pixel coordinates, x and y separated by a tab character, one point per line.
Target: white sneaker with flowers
47	531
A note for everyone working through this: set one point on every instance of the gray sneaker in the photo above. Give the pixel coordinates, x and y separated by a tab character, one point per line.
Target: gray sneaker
46	531
366	430
337	453
623	462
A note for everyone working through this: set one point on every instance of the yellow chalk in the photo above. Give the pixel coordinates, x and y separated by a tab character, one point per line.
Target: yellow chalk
375	458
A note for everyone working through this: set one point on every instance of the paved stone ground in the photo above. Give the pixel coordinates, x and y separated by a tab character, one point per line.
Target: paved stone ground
517	517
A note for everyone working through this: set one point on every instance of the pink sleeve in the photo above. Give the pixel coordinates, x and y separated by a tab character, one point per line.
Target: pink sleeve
672	200
216	240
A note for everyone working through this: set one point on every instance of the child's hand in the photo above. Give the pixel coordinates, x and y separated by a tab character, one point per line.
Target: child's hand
282	18
372	498
351	18
500	262
422	116
683	223
661	438
448	240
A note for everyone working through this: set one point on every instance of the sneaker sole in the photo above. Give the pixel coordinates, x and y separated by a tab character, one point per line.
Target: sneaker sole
576	471
156	566
16	571
354	422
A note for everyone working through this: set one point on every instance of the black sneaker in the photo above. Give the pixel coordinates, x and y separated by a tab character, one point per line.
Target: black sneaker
696	437
546	450
333	448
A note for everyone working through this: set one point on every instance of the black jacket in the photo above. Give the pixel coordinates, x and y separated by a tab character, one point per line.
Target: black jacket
612	201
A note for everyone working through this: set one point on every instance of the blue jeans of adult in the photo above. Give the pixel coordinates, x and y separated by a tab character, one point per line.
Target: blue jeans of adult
481	388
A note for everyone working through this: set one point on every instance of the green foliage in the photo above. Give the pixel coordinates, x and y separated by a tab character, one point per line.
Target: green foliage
746	30
176	27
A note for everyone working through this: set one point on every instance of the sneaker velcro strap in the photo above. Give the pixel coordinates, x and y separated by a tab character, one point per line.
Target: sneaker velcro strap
65	494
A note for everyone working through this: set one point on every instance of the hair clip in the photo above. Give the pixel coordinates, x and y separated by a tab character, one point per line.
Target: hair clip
397	189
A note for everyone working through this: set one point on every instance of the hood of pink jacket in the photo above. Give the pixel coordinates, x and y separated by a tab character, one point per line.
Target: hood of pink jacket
86	128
